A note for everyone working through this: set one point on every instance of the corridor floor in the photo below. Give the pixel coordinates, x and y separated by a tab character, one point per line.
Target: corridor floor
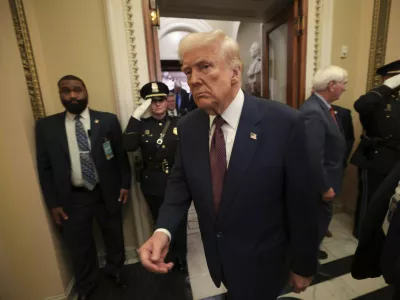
336	283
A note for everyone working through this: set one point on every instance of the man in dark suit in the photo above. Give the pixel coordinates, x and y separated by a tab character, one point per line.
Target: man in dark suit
244	162
184	101
84	173
326	140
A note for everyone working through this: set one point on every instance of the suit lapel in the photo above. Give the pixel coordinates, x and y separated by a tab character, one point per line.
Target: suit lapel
62	133
328	115
337	127
200	155
243	150
338	119
94	127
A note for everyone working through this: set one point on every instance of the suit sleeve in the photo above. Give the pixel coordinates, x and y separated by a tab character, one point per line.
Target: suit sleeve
177	198
315	130
367	103
301	203
45	171
131	137
120	154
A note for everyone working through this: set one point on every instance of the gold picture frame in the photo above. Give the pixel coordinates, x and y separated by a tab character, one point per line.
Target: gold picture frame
27	58
379	34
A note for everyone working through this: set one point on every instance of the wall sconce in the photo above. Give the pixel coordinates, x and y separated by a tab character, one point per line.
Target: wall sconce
155	17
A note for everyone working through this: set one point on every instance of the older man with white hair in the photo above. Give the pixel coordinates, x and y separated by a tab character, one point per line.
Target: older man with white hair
326	140
244	162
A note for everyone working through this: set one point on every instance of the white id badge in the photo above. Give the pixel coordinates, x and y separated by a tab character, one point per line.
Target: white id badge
108	150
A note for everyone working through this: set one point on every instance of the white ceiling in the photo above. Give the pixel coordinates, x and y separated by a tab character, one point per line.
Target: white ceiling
234	10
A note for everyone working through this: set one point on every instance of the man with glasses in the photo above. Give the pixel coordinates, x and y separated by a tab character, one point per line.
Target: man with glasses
84	174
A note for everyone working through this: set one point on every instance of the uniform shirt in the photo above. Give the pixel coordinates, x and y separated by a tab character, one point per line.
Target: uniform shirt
231	116
76	171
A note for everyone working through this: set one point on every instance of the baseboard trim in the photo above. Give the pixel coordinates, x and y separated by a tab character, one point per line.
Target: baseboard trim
69	293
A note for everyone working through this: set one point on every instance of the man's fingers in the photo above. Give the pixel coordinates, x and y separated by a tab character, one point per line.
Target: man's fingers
125	197
156	253
64	215
57	219
151	265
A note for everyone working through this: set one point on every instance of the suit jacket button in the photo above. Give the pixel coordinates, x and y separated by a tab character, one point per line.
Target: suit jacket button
219	234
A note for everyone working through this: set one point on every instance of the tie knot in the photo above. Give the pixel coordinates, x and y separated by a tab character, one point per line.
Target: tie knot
219	121
77	117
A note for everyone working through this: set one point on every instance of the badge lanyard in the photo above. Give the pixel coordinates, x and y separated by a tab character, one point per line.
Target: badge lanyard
163	132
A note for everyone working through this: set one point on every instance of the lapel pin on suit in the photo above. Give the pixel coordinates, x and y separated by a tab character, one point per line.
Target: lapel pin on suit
253	136
96	121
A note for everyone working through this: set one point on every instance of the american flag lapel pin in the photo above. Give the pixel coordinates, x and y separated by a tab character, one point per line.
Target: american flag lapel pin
253	136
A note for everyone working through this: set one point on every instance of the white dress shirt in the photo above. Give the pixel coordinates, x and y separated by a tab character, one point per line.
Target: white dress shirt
172	113
74	154
231	116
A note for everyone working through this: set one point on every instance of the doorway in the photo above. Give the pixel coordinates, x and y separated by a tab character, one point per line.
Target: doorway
285	41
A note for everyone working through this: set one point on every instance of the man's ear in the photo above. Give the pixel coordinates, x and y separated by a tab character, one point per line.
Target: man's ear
236	74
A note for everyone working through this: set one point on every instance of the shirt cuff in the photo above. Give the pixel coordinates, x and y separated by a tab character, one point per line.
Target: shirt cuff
164	231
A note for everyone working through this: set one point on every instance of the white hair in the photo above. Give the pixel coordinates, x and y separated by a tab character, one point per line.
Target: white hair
326	75
229	48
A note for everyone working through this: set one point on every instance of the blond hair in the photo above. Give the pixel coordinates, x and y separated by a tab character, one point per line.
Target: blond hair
325	75
229	48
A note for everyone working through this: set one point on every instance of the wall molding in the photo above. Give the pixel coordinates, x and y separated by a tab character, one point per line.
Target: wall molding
122	18
313	42
317	36
379	34
69	293
27	58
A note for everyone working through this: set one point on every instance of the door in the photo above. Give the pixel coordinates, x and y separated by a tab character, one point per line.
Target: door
284	45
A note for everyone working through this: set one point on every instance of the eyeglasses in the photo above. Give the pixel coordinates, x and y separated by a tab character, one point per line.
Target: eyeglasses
67	91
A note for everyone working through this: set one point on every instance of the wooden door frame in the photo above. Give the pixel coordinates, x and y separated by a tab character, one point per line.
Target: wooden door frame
296	54
152	46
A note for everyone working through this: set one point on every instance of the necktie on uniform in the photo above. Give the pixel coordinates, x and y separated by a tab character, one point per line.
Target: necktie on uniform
87	164
218	163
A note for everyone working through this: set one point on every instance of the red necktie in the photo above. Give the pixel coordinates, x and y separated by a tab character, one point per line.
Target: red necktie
334	116
218	161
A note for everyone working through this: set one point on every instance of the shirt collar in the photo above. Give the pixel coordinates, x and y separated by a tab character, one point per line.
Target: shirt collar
323	100
84	115
231	115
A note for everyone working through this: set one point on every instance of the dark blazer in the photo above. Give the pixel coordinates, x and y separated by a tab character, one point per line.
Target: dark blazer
376	253
53	160
327	144
343	116
187	103
267	203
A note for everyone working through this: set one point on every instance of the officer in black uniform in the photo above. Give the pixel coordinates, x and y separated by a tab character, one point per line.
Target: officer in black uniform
156	135
379	148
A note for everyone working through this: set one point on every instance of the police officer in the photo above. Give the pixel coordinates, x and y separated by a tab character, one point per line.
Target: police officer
379	148
156	136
